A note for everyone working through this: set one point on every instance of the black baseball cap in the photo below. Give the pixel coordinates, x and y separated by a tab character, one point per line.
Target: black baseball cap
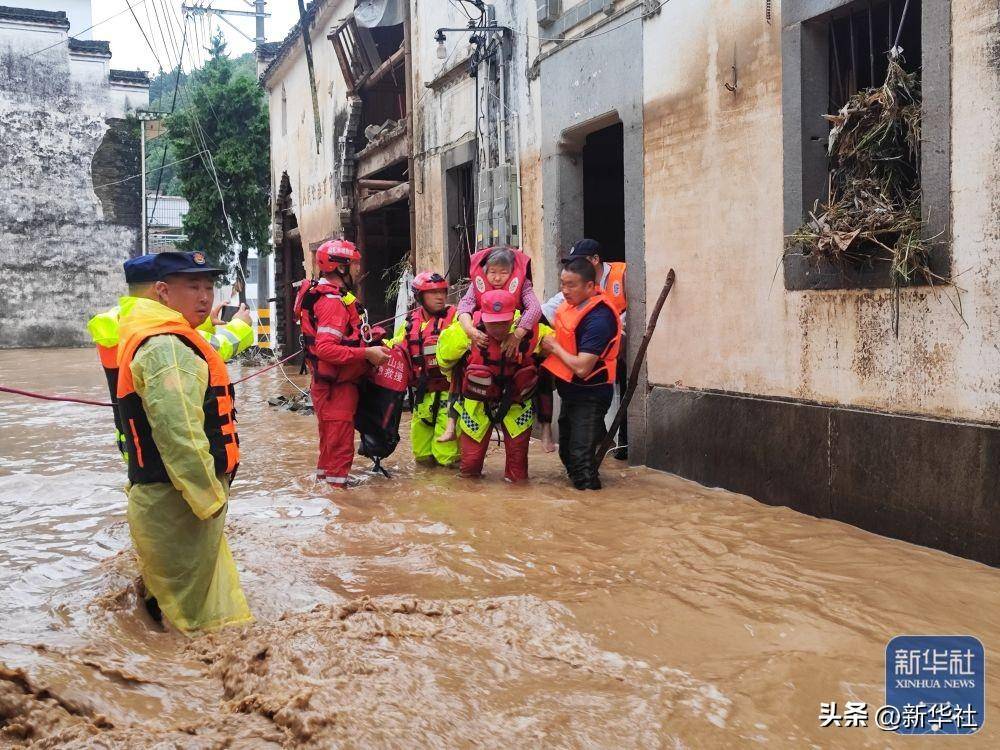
172	262
140	270
583	249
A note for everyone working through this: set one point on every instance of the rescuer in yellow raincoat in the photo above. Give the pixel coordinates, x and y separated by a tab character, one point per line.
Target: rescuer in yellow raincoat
229	339
176	408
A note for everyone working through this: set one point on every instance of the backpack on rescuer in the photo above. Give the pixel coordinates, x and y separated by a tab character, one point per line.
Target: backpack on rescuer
380	407
520	273
356	334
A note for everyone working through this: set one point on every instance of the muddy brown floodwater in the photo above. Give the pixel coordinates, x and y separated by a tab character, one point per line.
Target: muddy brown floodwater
432	611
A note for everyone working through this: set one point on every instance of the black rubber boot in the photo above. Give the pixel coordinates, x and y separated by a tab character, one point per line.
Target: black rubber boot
153	607
581	430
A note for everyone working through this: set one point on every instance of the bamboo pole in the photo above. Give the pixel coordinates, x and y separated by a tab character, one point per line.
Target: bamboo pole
633	378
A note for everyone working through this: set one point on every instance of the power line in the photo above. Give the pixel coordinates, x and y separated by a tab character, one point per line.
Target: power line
159	27
134	176
170	26
141	29
84	31
173	104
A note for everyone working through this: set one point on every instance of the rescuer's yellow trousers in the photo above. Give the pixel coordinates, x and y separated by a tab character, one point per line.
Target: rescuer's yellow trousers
185	561
424	430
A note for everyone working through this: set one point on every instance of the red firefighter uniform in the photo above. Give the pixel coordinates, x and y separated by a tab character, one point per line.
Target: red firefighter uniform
332	333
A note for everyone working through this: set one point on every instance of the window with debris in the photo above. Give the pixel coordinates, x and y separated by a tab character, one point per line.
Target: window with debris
859	37
837	79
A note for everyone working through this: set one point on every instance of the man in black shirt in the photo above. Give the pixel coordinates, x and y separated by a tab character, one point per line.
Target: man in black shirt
583	356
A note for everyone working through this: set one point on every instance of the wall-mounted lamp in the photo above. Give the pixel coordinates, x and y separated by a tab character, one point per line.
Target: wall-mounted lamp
442	52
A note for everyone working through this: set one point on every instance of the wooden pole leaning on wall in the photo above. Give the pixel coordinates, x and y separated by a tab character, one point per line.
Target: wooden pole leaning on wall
633	378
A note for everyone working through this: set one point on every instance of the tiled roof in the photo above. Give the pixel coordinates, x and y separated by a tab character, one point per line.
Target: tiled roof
49	17
268	50
90	47
140	77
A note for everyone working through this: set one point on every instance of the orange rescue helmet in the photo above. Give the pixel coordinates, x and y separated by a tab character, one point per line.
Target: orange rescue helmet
333	254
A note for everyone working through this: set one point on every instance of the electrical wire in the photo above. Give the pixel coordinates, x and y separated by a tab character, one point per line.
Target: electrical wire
136	176
169	18
144	36
173	104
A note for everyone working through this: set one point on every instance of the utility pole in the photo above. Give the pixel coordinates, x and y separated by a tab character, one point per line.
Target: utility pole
144	117
263	263
142	161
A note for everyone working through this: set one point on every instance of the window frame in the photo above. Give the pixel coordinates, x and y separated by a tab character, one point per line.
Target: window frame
805	82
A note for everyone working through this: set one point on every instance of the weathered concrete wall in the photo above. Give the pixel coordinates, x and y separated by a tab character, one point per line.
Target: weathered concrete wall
64	230
585	86
312	168
806	398
714	212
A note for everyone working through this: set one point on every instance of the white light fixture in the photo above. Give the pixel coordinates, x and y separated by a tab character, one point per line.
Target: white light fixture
442	53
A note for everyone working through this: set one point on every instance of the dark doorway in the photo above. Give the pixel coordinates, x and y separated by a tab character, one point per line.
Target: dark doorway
289	268
461	215
604	190
385	239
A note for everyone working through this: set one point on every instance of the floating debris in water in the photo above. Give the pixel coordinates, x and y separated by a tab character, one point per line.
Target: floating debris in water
302	403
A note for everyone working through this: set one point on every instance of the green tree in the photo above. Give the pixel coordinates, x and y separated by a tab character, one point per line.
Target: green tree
224	115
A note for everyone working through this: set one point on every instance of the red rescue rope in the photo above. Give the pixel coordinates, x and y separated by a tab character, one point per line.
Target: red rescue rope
269	367
70	399
42	396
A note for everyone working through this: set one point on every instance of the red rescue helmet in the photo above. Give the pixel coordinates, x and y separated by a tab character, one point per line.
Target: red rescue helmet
497	306
428	282
333	254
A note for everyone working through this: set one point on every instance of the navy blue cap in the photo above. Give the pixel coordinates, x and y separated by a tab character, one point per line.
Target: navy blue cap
172	262
583	249
139	270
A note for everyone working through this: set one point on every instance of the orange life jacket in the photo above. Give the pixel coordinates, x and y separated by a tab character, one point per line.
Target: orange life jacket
520	273
305	304
568	317
614	288
145	465
109	362
421	346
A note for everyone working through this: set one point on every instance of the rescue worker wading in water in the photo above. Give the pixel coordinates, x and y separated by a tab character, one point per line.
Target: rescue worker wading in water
338	356
429	387
176	404
496	389
583	359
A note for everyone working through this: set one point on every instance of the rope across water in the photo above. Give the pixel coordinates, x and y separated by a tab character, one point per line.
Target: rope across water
88	402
